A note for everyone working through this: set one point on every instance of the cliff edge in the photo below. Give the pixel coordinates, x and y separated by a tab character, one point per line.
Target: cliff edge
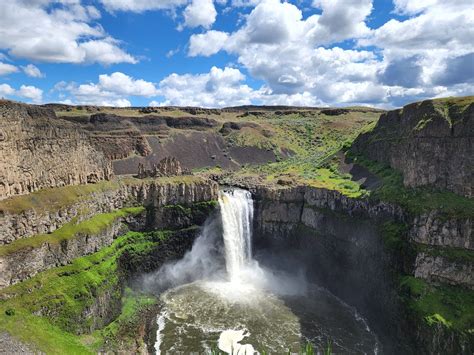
39	151
430	142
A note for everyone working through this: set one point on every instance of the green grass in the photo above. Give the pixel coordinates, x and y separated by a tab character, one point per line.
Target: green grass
451	306
415	200
125	327
53	199
313	138
91	226
452	254
196	211
394	235
49	308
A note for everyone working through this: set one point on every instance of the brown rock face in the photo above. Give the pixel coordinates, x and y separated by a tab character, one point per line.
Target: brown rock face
430	142
168	166
38	151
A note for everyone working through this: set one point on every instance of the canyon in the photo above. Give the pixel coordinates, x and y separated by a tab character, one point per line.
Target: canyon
374	206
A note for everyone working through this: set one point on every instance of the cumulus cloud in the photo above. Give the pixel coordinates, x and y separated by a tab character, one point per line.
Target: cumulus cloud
7	68
438	34
341	19
279	46
217	88
221	88
110	90
207	44
31	93
418	57
63	33
200	13
6	90
33	71
123	84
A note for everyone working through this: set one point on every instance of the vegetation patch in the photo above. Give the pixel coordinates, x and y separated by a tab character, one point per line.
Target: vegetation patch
451	306
414	200
313	138
452	254
54	199
394	235
50	309
121	334
91	226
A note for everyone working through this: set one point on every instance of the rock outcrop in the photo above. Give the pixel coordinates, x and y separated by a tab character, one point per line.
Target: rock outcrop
24	263
168	166
150	193
344	245
431	143
38	151
36	252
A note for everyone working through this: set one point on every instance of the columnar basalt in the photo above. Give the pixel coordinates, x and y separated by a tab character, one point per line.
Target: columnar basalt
38	151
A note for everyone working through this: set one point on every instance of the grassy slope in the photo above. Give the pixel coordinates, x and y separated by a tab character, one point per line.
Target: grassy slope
47	310
70	230
449	305
54	199
415	200
311	138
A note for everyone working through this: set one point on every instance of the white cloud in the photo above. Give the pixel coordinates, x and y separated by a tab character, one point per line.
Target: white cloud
141	5
223	87
200	13
26	92
33	71
6	90
279	46
123	84
218	88
110	90
105	51
208	43
62	34
30	92
436	34
410	7
7	68
341	19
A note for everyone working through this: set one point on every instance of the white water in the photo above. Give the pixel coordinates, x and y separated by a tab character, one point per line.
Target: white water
237	212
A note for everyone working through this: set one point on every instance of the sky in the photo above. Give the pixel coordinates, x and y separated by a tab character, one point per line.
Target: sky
217	53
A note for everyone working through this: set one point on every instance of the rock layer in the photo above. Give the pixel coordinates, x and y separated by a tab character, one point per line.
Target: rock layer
148	192
39	151
431	143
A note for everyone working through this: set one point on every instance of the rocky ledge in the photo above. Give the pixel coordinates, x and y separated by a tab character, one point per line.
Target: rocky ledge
430	142
38	151
46	211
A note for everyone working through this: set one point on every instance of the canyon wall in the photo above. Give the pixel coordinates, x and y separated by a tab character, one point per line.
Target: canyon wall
348	246
105	197
37	239
431	143
38	151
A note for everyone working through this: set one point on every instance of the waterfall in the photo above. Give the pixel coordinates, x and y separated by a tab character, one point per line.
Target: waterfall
237	212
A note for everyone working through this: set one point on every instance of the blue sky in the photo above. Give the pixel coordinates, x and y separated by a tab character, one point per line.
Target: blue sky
223	53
